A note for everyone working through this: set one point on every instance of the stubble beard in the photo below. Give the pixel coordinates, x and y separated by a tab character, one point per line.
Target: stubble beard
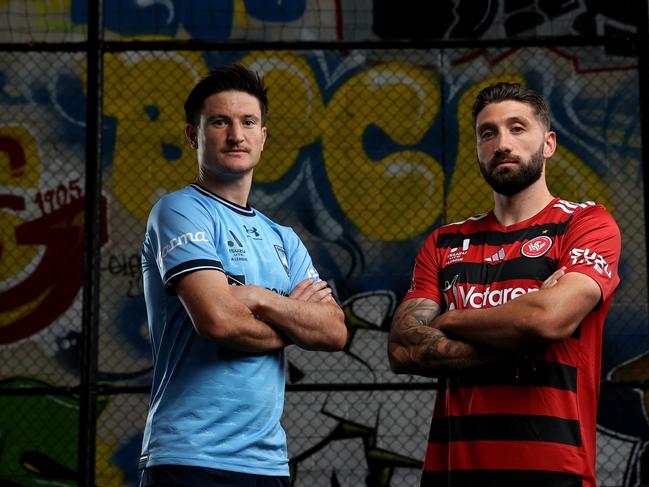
508	181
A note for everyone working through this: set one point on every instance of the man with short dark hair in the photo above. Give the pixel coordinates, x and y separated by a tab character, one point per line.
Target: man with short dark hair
507	308
226	290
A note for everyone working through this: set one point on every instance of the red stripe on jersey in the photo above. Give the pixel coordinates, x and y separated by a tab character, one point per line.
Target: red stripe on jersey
543	401
503	455
566	352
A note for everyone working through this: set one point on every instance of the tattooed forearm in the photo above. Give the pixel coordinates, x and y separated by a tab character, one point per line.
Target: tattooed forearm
416	346
422	310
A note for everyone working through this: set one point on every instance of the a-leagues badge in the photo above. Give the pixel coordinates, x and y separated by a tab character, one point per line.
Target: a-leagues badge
282	258
536	247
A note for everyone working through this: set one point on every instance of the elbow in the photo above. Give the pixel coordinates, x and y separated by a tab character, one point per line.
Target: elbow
212	330
554	334
396	359
338	338
545	329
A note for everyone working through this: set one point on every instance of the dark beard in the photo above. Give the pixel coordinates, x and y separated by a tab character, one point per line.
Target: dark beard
510	182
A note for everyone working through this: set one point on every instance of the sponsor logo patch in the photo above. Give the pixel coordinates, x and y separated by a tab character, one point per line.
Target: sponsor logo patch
536	247
457	296
178	241
588	257
457	253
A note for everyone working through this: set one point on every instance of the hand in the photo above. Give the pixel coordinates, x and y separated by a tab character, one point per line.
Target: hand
554	277
313	291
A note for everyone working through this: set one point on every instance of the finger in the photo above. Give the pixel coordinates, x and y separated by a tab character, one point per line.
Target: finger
310	293
298	290
553	278
322	295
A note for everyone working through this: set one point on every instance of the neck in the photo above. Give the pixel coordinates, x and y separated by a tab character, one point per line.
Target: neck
510	210
236	189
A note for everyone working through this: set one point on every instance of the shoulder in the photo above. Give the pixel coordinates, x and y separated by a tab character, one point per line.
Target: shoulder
588	210
185	197
284	231
469	225
186	202
455	234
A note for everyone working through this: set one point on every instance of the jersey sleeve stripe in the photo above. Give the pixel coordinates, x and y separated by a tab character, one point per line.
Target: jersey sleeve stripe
190	266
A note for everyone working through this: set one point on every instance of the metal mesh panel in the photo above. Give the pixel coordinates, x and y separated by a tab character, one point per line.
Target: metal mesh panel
41	219
368	151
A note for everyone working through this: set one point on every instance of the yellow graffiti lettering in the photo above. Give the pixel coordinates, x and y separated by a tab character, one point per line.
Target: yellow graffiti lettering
145	94
296	107
20	165
402	194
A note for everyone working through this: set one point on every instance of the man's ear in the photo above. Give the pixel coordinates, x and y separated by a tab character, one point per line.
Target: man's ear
192	137
550	144
264	134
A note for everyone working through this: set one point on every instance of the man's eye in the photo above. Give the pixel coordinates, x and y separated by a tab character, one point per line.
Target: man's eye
249	123
487	134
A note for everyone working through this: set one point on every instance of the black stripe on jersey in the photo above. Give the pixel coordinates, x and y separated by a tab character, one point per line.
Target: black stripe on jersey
524	372
242	210
502	238
482	273
173	274
503	427
500	478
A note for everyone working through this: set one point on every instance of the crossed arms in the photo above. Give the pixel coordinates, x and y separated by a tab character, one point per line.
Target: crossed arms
232	315
422	341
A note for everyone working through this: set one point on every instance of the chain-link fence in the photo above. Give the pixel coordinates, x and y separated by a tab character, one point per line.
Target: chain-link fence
369	150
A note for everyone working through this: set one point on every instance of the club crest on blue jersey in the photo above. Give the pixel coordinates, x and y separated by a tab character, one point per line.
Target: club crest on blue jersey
281	253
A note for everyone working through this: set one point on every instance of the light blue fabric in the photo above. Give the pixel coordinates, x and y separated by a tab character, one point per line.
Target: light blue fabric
212	406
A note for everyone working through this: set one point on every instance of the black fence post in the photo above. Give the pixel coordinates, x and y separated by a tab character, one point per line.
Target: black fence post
92	244
643	79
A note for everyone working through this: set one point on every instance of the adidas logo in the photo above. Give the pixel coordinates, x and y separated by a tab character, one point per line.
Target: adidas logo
497	257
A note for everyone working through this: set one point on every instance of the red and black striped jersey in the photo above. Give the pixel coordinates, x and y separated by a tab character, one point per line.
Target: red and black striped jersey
529	420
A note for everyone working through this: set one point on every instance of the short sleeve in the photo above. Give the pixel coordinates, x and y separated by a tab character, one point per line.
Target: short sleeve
300	264
181	231
425	274
592	247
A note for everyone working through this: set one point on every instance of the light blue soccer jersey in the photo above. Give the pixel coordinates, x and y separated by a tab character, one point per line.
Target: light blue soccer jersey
212	406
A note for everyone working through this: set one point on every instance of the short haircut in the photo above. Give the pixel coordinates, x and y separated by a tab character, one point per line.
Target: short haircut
511	91
233	77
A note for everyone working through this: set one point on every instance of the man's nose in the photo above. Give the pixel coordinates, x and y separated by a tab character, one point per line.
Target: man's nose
235	134
504	143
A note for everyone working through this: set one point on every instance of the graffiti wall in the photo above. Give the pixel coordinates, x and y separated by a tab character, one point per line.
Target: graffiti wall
368	151
318	20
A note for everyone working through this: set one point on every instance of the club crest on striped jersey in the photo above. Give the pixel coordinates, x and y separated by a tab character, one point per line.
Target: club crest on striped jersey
536	247
281	253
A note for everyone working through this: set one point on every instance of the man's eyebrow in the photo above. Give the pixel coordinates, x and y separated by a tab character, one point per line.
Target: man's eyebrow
485	125
518	119
509	121
215	116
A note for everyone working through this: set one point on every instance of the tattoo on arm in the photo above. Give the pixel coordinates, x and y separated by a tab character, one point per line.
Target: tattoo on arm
419	347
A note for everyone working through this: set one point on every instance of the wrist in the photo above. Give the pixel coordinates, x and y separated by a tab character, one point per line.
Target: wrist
444	322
